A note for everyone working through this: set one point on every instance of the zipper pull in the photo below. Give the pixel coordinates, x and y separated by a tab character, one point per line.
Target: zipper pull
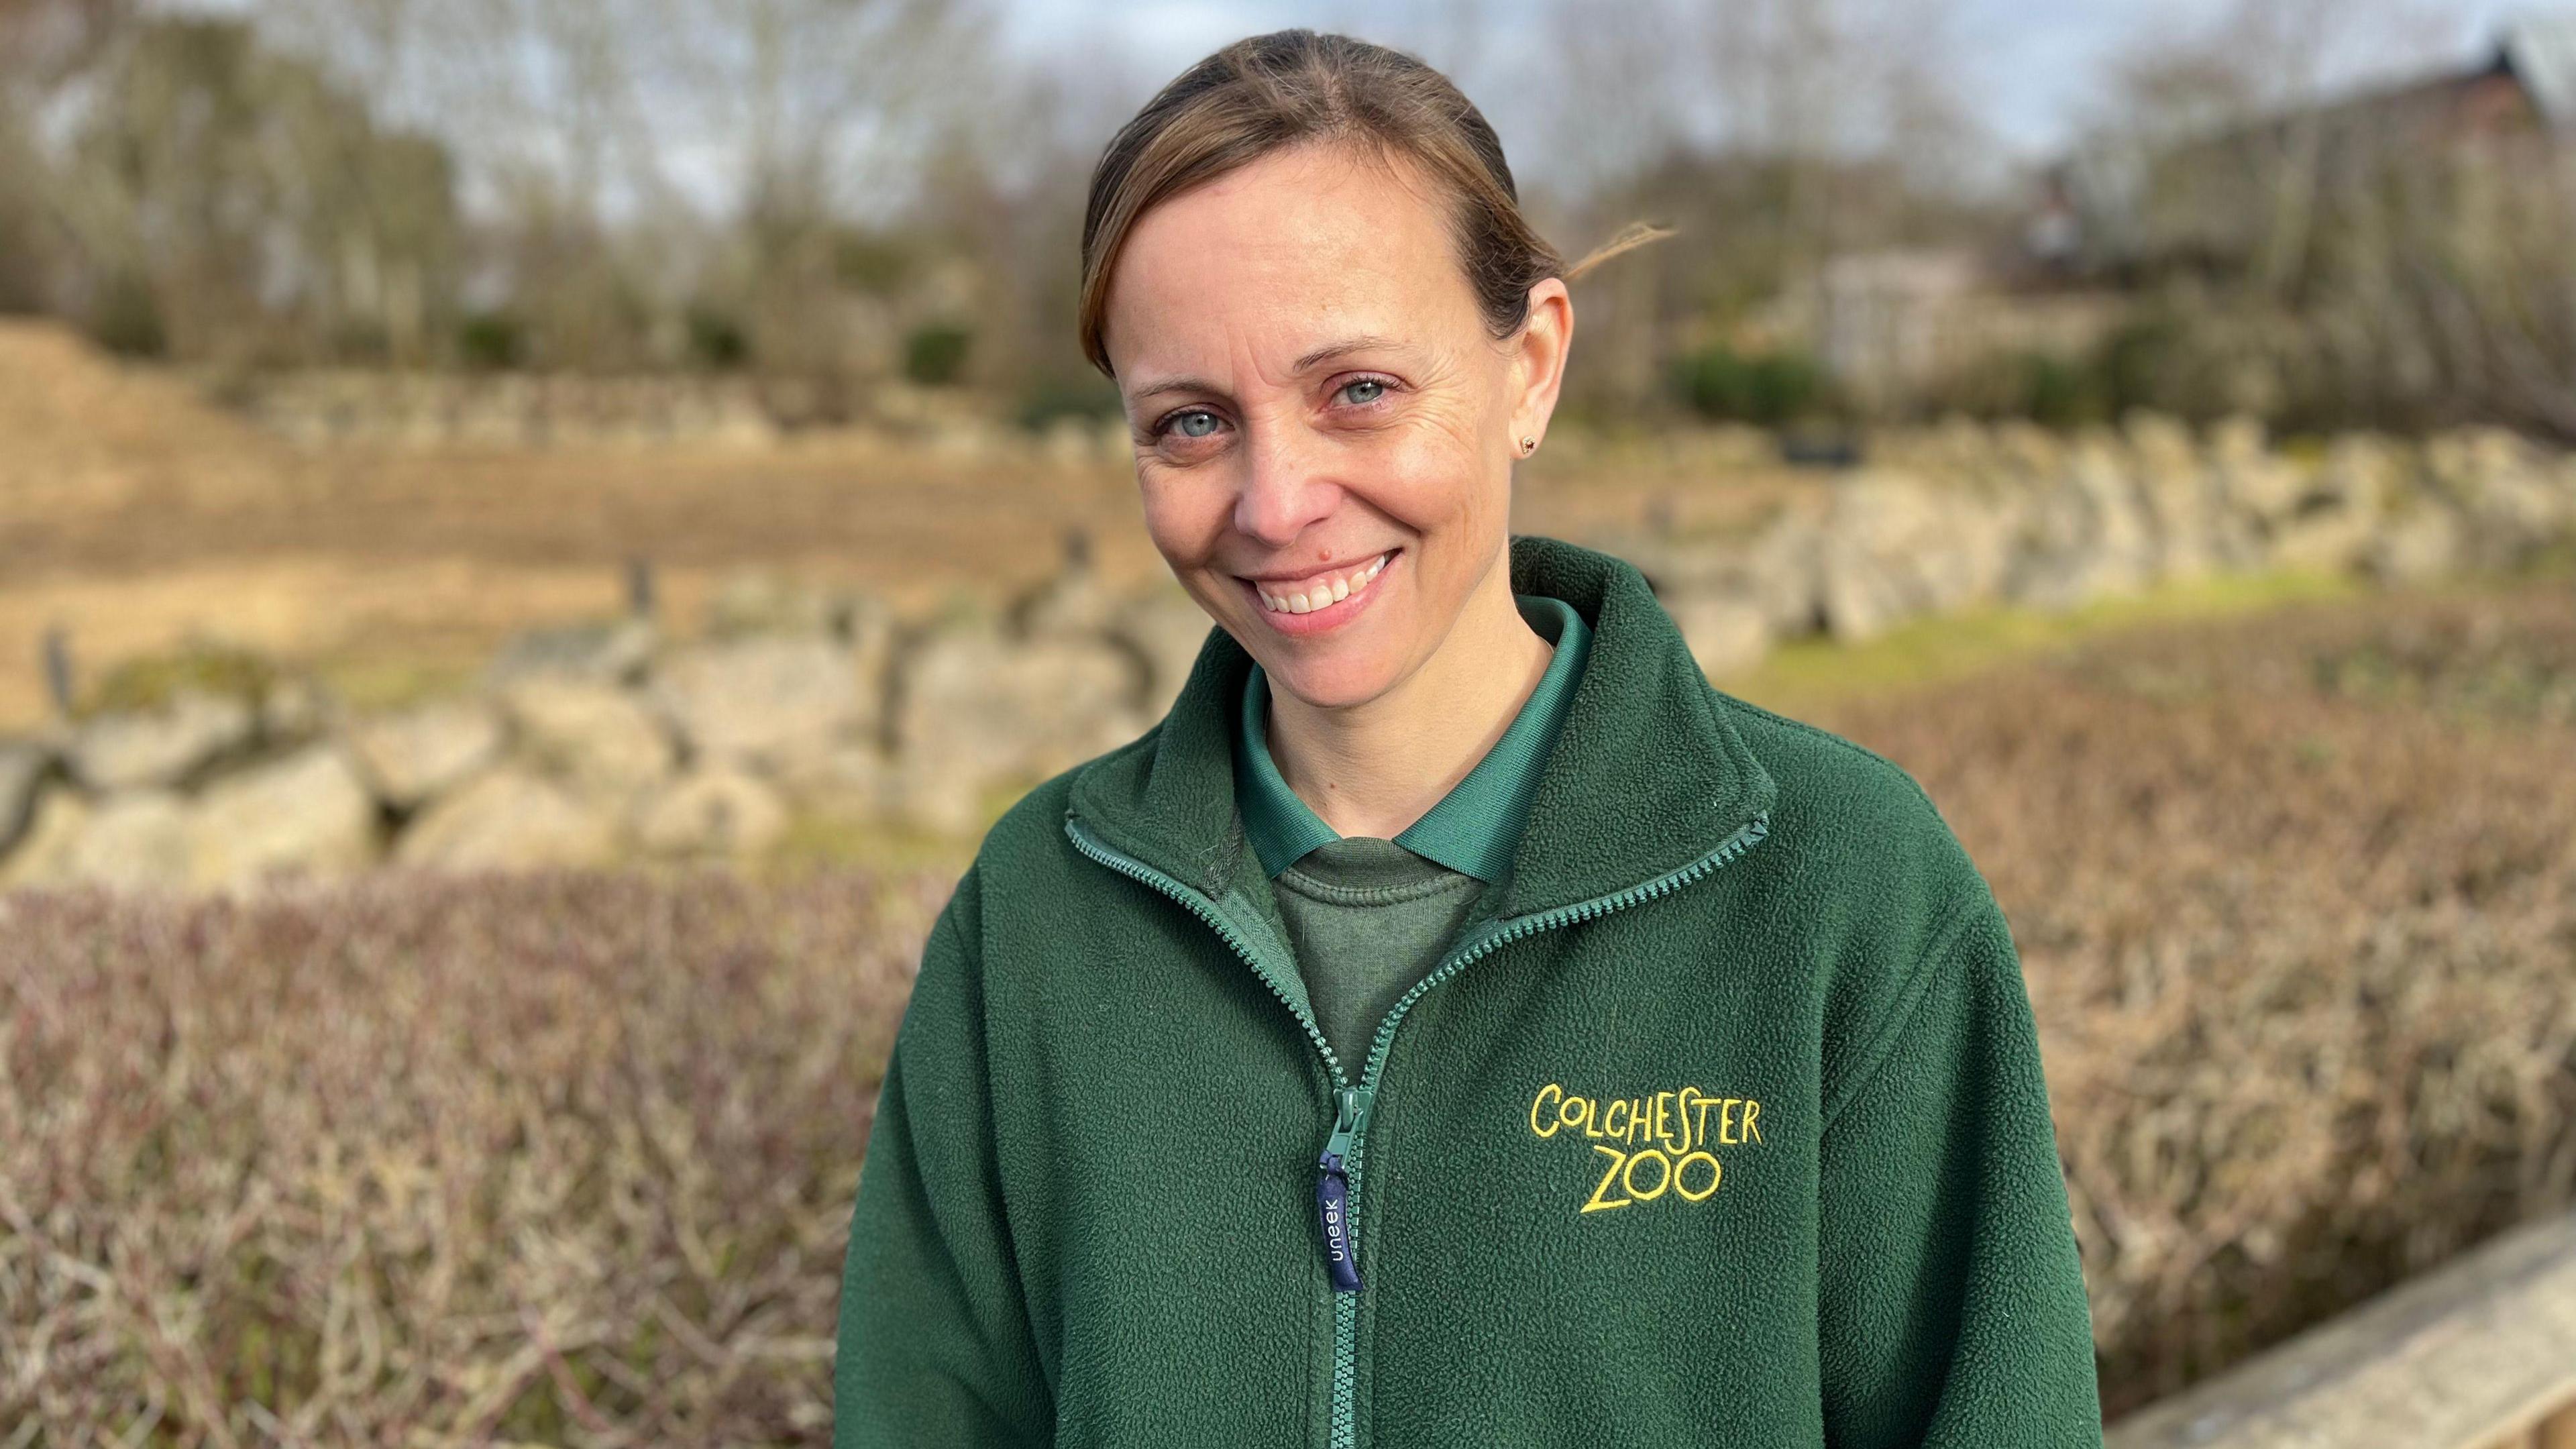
1333	1189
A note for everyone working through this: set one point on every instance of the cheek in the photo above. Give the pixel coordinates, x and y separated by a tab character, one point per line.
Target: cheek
1438	481
1182	516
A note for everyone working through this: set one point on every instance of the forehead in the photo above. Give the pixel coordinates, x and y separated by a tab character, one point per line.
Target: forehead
1300	245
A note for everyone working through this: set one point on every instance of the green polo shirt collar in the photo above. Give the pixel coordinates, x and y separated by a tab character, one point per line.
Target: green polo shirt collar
1474	828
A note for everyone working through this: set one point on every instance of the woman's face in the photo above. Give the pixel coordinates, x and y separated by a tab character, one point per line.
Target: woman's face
1324	428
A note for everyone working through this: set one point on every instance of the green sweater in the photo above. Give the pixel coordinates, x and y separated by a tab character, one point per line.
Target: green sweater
1721	1123
1366	918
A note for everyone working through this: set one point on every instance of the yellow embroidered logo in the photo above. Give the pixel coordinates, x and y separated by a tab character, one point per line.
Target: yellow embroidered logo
1675	1129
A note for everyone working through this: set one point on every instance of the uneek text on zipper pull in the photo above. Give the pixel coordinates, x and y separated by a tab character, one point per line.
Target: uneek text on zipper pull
1333	1190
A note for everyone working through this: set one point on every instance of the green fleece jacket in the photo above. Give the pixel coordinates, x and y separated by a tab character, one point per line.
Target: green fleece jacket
1720	1124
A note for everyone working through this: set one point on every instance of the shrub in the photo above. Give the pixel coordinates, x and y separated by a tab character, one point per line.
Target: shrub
492	341
716	340
2296	900
126	318
201	666
1087	396
439	1160
1766	389
935	355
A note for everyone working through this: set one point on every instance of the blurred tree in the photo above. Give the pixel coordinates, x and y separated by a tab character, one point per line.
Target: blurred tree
1774	135
256	204
630	164
2329	251
48	50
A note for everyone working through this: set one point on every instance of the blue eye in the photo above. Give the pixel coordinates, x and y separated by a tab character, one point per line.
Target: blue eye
1367	382
1188	422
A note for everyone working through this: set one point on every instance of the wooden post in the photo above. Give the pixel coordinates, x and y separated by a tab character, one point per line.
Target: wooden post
58	669
1662	513
639	586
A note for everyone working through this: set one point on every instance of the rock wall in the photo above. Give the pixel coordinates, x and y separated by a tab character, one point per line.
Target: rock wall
516	410
431	410
604	742
612	741
1965	516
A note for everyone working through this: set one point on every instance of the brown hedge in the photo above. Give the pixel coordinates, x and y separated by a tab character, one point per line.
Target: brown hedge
562	1159
2296	901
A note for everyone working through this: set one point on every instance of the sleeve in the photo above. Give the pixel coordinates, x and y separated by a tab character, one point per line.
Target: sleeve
1951	1302
935	1347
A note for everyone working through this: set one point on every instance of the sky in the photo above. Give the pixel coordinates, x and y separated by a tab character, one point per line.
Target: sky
2031	63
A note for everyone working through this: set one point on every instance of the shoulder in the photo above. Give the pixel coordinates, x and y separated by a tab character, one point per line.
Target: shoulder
1868	872
1852	814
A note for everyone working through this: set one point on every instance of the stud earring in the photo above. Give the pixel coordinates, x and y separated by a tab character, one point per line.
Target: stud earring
1528	446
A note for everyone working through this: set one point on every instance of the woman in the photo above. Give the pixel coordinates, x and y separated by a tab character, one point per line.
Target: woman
1455	1022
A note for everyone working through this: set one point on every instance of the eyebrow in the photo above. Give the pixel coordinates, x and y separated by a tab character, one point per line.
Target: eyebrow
1323	354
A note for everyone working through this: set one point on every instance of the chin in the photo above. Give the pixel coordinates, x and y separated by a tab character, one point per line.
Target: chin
1347	667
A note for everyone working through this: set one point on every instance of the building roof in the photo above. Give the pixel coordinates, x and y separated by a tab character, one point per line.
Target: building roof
2540	50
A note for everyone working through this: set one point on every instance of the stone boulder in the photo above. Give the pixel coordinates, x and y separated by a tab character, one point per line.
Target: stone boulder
137	841
55	819
2510	499
2337	519
612	652
408	757
305	815
2257	482
1858	602
2087	537
1075	604
1893	547
850	781
2184	507
762	701
1782	574
509	819
1674	567
1166	629
2416	546
717	812
601	738
975	708
161	747
294	709
2030	453
23	767
760	602
1726	635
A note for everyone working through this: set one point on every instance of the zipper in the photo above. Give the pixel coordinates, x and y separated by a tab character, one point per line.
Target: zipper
1333	1189
1344	1155
1199	905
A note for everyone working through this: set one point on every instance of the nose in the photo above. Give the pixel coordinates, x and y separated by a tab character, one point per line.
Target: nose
1286	485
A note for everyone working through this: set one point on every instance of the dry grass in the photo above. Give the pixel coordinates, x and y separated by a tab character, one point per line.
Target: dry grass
2297	904
556	1159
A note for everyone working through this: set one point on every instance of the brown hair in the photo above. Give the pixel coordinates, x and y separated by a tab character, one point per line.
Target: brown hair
1267	93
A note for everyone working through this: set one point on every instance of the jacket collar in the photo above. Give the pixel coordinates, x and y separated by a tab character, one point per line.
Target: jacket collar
1646	776
1470	830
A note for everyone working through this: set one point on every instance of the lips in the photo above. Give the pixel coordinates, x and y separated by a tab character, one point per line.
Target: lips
1319	590
1322	601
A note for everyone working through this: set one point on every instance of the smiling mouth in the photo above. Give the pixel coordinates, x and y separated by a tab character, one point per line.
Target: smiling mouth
1320	591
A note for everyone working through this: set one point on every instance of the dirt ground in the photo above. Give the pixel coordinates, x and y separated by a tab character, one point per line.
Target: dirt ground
135	515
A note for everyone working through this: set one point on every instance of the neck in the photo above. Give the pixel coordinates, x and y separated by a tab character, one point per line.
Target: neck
1374	768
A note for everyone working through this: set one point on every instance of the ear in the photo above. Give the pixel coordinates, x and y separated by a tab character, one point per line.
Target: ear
1538	363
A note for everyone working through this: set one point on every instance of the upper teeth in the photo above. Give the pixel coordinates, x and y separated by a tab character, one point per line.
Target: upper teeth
1313	594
